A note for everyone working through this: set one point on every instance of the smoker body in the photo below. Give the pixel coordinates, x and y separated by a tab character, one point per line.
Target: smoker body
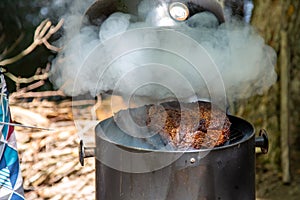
222	173
226	172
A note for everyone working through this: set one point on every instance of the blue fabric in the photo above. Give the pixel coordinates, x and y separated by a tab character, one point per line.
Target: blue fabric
11	154
16	196
11	182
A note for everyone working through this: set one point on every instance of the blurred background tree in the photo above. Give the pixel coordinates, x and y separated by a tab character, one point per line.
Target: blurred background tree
278	110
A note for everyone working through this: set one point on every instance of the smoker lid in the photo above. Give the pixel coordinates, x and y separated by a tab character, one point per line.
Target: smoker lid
101	9
108	130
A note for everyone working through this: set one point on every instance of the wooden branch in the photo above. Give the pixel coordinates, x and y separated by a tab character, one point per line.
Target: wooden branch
28	117
27	80
284	108
12	47
40	76
56	151
42	33
19	56
32	86
51	47
18	95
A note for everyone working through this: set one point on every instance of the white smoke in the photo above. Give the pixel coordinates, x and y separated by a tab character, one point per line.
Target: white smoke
245	62
117	23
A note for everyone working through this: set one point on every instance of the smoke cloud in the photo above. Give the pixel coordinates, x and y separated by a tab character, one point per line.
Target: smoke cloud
183	63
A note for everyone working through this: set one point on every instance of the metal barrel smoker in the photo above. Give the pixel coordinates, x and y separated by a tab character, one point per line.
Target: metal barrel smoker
224	172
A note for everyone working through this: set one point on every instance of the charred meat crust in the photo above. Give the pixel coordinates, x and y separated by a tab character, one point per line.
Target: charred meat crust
185	125
190	125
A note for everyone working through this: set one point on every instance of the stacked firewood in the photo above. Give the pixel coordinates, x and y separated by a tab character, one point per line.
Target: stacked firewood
49	158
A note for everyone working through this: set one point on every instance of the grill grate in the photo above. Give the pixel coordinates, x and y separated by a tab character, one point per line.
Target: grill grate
235	136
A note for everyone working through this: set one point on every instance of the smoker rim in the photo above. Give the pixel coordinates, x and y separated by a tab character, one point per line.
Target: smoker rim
247	136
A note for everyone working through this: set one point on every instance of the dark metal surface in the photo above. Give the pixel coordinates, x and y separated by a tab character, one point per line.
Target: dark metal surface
229	175
85	152
226	172
101	9
262	141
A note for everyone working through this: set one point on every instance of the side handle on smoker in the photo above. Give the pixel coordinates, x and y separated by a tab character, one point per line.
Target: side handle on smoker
262	141
85	152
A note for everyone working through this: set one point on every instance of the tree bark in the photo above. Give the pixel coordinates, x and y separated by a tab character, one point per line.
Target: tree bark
278	21
284	107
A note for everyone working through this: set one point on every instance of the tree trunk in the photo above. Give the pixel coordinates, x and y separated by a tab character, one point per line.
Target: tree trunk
277	111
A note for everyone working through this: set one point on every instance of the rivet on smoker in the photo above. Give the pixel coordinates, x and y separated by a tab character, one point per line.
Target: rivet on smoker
192	160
